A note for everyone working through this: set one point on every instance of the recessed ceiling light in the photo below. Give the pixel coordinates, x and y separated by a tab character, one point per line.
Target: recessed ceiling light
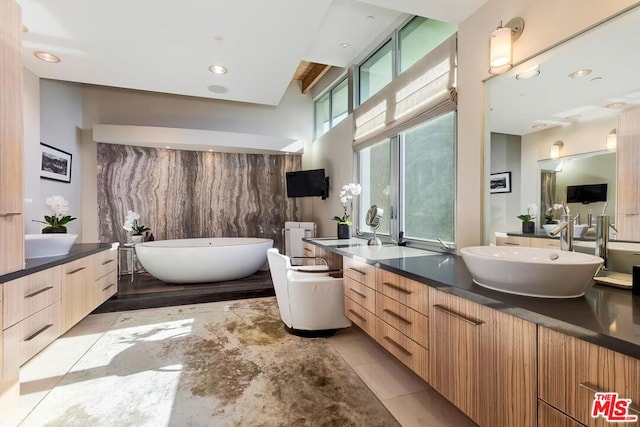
528	73
572	118
218	69
218	38
345	45
539	126
616	105
45	56
580	73
370	18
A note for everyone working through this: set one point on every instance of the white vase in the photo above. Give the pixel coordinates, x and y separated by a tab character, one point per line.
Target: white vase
136	238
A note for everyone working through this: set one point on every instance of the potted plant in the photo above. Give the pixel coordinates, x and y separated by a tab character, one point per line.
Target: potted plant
57	223
348	192
131	225
528	226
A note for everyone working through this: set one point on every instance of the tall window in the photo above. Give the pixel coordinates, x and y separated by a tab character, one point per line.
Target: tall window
339	102
332	107
375	177
376	72
322	112
418	37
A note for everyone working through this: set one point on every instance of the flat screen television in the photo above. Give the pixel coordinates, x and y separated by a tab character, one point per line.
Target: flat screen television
588	193
307	183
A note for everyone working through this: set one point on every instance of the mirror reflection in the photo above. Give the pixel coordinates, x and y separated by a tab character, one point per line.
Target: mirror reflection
554	129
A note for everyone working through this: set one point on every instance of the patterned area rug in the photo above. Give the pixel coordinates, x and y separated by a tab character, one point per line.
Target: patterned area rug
218	364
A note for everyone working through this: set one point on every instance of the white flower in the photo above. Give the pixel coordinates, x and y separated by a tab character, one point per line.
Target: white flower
130	220
58	205
532	209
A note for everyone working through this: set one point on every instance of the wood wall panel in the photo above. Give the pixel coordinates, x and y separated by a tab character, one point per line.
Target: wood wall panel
628	176
11	136
188	194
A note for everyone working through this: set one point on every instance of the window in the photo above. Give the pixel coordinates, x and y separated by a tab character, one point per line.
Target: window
375	178
322	115
416	187
376	72
339	102
419	37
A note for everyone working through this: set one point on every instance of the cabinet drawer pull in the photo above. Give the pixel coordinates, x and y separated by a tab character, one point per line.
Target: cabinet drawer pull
39	291
594	389
308	250
358	271
511	244
107	287
9	213
360	294
397	288
38	332
76	270
109	261
357	315
401	348
397	316
443	309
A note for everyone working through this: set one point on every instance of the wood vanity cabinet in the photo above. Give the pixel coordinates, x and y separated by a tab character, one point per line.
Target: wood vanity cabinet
105	268
308	249
571	371
482	360
627	160
360	294
11	135
77	291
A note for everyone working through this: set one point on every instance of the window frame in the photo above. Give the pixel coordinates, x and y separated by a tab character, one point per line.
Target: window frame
329	94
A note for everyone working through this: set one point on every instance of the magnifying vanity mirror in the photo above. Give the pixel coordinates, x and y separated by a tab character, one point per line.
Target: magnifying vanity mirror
573	95
373	220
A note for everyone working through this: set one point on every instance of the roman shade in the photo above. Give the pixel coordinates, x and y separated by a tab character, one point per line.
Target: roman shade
425	90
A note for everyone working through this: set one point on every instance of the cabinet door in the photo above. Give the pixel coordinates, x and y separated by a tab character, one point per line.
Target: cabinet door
551	417
513	241
545	243
627	160
78	296
30	294
11	219
573	370
105	287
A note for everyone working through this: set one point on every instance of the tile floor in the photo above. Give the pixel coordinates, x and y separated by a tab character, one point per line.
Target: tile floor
410	399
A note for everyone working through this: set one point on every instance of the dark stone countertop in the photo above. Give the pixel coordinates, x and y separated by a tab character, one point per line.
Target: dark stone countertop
79	250
606	316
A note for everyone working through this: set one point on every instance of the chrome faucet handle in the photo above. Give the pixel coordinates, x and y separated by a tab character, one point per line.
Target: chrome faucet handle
614	227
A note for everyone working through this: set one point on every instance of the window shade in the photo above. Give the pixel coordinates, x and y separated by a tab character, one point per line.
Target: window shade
425	90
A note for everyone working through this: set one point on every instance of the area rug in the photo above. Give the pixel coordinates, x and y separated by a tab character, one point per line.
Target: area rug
218	364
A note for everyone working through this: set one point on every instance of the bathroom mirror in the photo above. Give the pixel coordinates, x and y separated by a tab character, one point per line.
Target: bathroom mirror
547	99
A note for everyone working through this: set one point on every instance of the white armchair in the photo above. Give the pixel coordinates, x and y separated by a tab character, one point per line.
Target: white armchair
310	303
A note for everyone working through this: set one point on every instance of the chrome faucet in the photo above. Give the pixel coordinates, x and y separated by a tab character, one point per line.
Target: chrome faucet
602	237
565	228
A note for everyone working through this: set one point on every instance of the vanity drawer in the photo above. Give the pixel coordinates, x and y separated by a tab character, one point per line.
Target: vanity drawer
406	350
363	295
360	316
26	338
106	287
513	241
308	250
105	262
360	271
411	323
545	243
29	294
406	291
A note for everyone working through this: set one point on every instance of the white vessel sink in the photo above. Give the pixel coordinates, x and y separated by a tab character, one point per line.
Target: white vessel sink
545	273
45	245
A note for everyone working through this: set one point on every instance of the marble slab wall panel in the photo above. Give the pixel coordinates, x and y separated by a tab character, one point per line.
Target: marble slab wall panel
187	194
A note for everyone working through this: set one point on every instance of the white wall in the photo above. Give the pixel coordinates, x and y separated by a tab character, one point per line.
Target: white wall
547	23
31	155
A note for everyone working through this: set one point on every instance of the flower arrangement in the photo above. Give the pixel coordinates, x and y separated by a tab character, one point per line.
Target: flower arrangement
131	224
348	192
60	218
532	210
548	216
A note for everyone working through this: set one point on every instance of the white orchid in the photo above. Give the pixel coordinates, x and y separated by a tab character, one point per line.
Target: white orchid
131	223
58	205
60	218
347	194
532	211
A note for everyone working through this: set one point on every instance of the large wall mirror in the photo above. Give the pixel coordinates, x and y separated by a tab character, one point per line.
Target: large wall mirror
566	100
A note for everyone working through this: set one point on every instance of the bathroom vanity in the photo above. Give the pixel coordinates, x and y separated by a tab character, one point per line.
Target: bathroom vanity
44	300
502	359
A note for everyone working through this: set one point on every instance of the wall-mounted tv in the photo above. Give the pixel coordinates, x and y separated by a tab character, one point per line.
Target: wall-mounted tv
307	183
588	193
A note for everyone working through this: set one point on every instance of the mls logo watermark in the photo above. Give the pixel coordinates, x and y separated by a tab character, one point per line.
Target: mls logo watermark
612	408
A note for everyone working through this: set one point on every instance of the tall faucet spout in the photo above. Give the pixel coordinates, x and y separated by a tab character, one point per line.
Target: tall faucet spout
565	228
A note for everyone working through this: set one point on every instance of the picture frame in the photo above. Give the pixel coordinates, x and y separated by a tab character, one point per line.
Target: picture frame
500	183
55	164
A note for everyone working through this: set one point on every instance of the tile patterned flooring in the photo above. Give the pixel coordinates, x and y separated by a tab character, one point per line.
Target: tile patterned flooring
409	399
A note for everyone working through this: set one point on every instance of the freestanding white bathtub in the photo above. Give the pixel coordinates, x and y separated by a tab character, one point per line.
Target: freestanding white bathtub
203	260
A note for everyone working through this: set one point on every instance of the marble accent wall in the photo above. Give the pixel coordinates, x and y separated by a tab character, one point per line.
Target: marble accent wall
186	194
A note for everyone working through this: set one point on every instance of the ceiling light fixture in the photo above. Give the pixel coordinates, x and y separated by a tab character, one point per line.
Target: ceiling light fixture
616	105
539	126
612	140
554	151
345	45
218	69
46	57
529	73
501	47
580	73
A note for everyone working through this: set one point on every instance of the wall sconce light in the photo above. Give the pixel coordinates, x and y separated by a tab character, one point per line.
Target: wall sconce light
554	152
612	140
500	52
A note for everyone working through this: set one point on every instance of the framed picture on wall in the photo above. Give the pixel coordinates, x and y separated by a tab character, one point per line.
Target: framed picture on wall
55	164
500	182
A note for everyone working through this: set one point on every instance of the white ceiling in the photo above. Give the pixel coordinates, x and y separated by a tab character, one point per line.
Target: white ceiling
552	97
167	45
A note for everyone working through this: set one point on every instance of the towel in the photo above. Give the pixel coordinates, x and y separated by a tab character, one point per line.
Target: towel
295	242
